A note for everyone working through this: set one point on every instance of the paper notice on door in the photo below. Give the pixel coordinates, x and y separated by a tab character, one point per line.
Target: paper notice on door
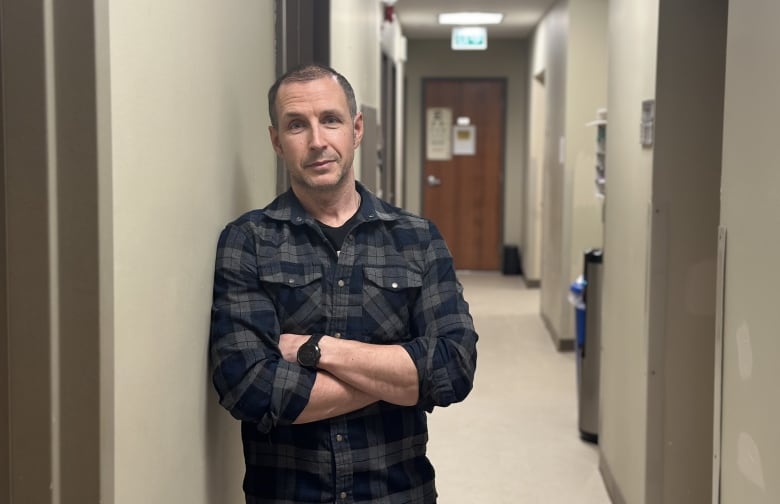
464	140
438	134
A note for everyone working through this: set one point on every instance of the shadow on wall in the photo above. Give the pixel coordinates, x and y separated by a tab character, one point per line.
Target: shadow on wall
224	463
224	459
242	197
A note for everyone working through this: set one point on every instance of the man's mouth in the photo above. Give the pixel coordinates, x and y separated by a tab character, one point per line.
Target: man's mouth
319	164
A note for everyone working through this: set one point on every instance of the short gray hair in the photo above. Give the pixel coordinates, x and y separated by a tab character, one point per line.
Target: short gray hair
307	73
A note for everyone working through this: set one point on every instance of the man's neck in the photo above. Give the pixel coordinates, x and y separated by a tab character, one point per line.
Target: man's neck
332	208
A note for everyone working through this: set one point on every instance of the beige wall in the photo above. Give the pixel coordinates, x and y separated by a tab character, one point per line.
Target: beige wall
586	91
131	151
662	207
572	42
683	249
355	51
633	38
750	445
505	58
189	152
554	311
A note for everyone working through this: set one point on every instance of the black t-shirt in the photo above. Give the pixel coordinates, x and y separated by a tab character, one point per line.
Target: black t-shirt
336	235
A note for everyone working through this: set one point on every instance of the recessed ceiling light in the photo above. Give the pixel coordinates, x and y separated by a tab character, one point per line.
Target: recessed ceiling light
470	18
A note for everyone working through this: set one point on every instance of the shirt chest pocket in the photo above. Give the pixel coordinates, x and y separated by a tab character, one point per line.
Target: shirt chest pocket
296	292
389	295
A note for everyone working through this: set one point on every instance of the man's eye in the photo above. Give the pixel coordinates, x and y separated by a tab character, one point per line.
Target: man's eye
332	120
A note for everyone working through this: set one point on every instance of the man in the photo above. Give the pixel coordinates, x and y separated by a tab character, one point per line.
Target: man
337	319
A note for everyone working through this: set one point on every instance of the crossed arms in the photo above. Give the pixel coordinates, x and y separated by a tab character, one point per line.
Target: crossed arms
352	375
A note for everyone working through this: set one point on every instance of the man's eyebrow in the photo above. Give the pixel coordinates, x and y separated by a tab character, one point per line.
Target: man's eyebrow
294	114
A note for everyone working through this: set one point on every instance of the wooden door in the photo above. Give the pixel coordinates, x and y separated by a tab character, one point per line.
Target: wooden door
463	195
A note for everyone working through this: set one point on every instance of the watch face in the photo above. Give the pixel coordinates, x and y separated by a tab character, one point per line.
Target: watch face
308	354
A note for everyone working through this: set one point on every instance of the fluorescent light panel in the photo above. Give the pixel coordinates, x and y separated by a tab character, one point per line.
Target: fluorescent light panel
470	18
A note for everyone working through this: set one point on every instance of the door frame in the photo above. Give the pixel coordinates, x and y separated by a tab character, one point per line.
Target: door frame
388	144
302	36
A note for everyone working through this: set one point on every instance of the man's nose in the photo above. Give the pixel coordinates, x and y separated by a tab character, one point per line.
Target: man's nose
318	138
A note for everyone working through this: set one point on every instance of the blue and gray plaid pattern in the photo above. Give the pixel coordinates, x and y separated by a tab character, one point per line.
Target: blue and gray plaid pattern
392	283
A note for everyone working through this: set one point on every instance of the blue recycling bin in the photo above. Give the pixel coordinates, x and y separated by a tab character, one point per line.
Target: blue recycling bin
577	298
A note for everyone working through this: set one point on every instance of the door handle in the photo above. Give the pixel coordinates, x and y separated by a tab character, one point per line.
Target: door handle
434	181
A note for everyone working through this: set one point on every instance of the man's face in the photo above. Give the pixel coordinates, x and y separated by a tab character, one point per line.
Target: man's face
315	135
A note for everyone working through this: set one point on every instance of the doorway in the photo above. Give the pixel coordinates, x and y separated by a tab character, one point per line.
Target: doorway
532	254
462	189
387	164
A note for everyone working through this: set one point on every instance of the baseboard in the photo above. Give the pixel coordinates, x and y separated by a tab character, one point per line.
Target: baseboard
562	345
609	482
566	345
532	283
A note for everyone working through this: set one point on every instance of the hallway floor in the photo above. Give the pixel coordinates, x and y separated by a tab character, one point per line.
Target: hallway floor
515	438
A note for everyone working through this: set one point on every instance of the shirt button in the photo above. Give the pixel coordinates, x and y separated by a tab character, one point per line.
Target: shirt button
339	438
341	283
291	281
337	335
343	496
298	219
395	285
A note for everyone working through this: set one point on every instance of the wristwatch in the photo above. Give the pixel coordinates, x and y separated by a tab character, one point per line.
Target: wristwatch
309	352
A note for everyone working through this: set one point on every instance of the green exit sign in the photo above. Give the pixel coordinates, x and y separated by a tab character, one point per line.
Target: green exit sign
469	38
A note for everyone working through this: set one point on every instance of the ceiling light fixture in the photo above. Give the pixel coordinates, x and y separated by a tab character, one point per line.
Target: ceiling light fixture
470	18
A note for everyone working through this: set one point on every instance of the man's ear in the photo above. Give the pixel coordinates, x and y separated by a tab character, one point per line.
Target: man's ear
274	134
357	129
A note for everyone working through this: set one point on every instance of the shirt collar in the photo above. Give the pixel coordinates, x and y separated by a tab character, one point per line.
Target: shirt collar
287	207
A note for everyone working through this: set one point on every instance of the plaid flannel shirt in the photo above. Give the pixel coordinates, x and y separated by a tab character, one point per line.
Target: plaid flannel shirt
392	283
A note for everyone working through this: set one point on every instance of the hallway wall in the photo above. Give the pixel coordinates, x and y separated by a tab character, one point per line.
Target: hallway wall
658	309
554	262
633	41
586	91
683	249
355	52
504	58
749	447
189	152
572	50
137	132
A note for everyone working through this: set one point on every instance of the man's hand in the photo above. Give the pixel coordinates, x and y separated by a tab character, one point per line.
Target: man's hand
289	345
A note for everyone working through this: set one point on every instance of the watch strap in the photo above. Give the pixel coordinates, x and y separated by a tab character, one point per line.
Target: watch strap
315	338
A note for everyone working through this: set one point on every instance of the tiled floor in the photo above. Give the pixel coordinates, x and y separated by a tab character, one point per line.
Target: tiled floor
514	440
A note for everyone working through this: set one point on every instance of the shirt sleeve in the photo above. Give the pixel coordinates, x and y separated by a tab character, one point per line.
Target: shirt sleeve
254	382
445	351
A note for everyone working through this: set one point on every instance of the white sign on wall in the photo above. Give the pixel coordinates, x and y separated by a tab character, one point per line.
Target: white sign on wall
464	140
438	134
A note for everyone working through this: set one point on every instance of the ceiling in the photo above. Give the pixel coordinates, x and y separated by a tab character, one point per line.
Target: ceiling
419	18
